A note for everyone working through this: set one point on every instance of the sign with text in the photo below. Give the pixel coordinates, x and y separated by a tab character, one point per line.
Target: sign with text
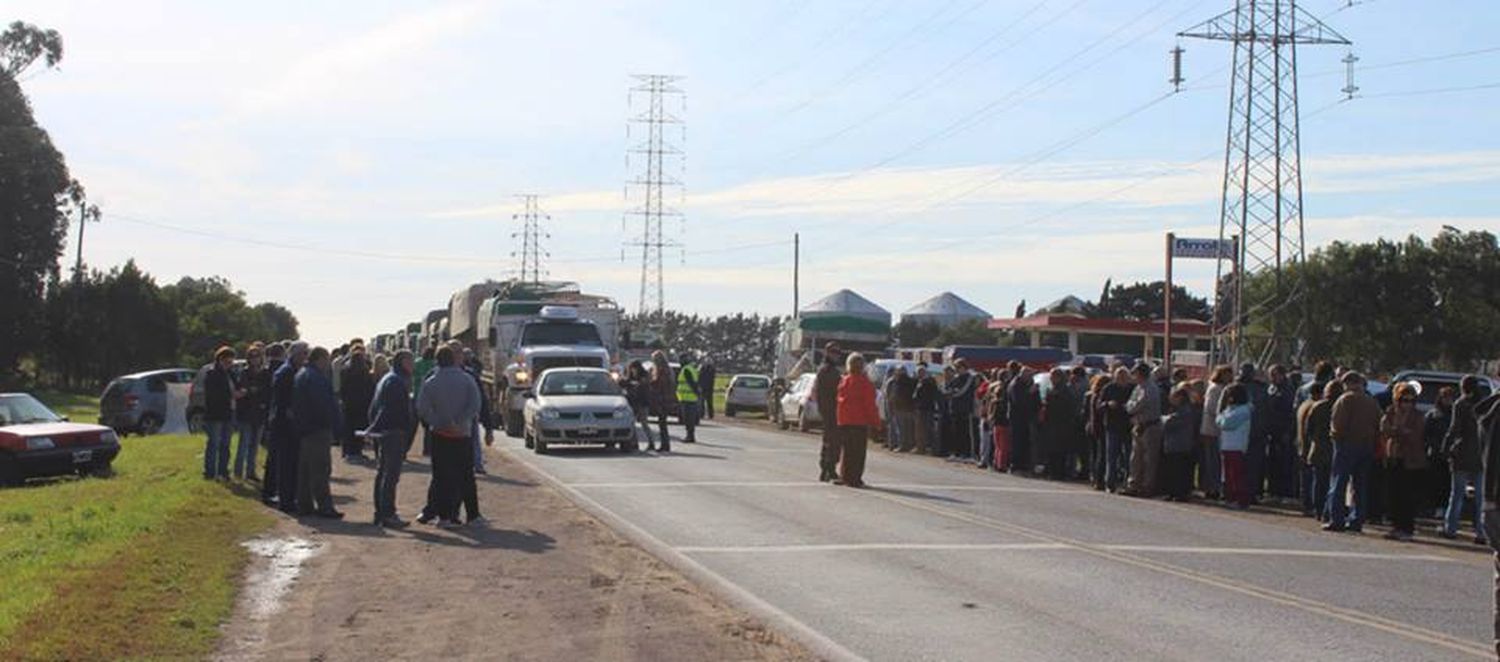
1202	248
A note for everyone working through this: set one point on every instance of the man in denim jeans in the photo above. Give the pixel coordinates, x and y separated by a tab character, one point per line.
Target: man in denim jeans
219	393
251	409
1465	449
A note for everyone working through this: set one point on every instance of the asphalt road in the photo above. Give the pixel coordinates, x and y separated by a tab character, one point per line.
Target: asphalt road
944	562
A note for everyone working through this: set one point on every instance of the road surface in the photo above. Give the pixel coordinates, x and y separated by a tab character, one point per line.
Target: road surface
944	562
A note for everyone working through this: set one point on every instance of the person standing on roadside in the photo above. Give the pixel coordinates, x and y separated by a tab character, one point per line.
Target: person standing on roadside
959	394
924	408
1210	473
1234	438
855	415
1314	422
1488	411
391	419
420	370
1179	438
706	376
1060	427
637	386
448	404
288	444
903	419
688	398
1466	459
250	411
315	410
485	425
358	389
1025	405
1355	429
826	392
1144	408
1406	458
663	396
219	394
271	476
1117	438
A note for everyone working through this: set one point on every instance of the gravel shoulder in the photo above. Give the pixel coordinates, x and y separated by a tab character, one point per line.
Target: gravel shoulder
544	580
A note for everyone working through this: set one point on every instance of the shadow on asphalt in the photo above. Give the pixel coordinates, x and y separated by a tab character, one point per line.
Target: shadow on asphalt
575	453
915	494
529	541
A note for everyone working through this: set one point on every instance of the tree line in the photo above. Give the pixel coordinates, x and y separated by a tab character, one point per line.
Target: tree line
77	332
735	343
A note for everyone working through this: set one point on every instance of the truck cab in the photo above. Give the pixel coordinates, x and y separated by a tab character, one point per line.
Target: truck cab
555	337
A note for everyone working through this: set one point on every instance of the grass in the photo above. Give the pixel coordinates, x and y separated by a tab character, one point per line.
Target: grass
141	565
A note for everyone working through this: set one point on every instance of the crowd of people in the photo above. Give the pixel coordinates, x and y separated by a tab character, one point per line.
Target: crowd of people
1240	436
300	402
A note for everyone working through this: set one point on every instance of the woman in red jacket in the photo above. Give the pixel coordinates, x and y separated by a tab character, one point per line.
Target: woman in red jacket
856	415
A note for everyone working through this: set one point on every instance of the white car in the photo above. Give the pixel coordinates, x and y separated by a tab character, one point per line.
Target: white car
746	393
577	406
801	404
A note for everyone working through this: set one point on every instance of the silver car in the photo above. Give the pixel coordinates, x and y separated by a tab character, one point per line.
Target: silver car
800	404
577	406
138	402
746	393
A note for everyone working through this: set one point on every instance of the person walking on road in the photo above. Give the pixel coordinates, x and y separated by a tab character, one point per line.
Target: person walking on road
1406	460
219	393
448	403
1466	459
826	393
357	386
688	399
1355	429
391	419
706	376
1144	408
663	396
856	415
250	411
319	420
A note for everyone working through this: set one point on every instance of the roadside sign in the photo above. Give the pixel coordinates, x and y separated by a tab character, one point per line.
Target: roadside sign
1187	247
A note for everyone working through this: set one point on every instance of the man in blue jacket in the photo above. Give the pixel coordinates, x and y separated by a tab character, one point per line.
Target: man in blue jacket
392	422
316	413
288	445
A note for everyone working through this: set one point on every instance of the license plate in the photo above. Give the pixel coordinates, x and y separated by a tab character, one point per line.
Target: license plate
82	456
588	431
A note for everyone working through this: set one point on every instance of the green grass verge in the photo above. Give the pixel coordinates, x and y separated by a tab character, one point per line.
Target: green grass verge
141	565
79	408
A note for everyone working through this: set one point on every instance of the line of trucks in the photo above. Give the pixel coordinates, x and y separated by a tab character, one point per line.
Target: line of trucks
517	329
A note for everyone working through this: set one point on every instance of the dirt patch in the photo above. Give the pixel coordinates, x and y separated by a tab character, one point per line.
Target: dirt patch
543	581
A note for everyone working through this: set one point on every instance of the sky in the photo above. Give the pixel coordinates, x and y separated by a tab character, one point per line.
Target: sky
358	162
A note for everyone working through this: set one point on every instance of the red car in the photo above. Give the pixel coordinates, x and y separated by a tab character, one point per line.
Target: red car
36	442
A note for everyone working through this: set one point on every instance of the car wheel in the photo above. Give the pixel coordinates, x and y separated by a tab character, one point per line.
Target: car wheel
539	446
514	426
150	424
10	473
97	470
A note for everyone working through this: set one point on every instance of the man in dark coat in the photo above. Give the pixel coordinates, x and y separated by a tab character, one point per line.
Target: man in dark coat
1024	406
1466	454
826	391
706	376
1260	425
288	444
271	478
959	393
903	418
356	390
1281	428
1060	425
924	408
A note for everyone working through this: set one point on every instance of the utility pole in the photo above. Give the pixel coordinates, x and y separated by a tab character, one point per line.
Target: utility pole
86	213
1262	195
652	183
796	272
531	235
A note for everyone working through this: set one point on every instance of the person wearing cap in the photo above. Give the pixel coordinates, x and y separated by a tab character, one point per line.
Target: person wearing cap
288	445
826	392
1144	409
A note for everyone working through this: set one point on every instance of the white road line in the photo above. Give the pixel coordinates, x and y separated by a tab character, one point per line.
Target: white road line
782	549
1042	546
809	483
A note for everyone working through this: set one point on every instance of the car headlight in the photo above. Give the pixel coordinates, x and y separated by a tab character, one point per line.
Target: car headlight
624	412
39	443
109	437
522	376
547	413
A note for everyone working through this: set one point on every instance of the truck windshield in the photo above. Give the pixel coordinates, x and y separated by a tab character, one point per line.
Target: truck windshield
549	333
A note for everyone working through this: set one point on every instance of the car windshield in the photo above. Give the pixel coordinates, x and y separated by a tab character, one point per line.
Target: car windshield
753	382
21	409
579	383
560	334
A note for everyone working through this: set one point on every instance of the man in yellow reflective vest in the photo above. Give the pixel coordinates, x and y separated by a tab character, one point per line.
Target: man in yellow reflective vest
687	396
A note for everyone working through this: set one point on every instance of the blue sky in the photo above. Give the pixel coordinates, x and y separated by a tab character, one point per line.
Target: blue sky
386	141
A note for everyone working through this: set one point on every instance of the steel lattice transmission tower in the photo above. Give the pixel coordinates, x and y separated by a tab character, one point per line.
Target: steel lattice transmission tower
1262	205
531	235
660	163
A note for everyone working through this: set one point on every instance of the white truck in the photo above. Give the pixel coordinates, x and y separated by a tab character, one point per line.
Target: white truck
523	329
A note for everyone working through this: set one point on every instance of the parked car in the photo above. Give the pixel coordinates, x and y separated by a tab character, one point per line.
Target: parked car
36	442
138	402
800	404
1429	382
577	406
746	393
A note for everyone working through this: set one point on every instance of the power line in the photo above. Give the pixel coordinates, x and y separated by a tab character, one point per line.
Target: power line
1435	90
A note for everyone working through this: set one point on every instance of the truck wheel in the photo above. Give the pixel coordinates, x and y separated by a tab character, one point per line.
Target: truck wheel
539	446
150	424
514	426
